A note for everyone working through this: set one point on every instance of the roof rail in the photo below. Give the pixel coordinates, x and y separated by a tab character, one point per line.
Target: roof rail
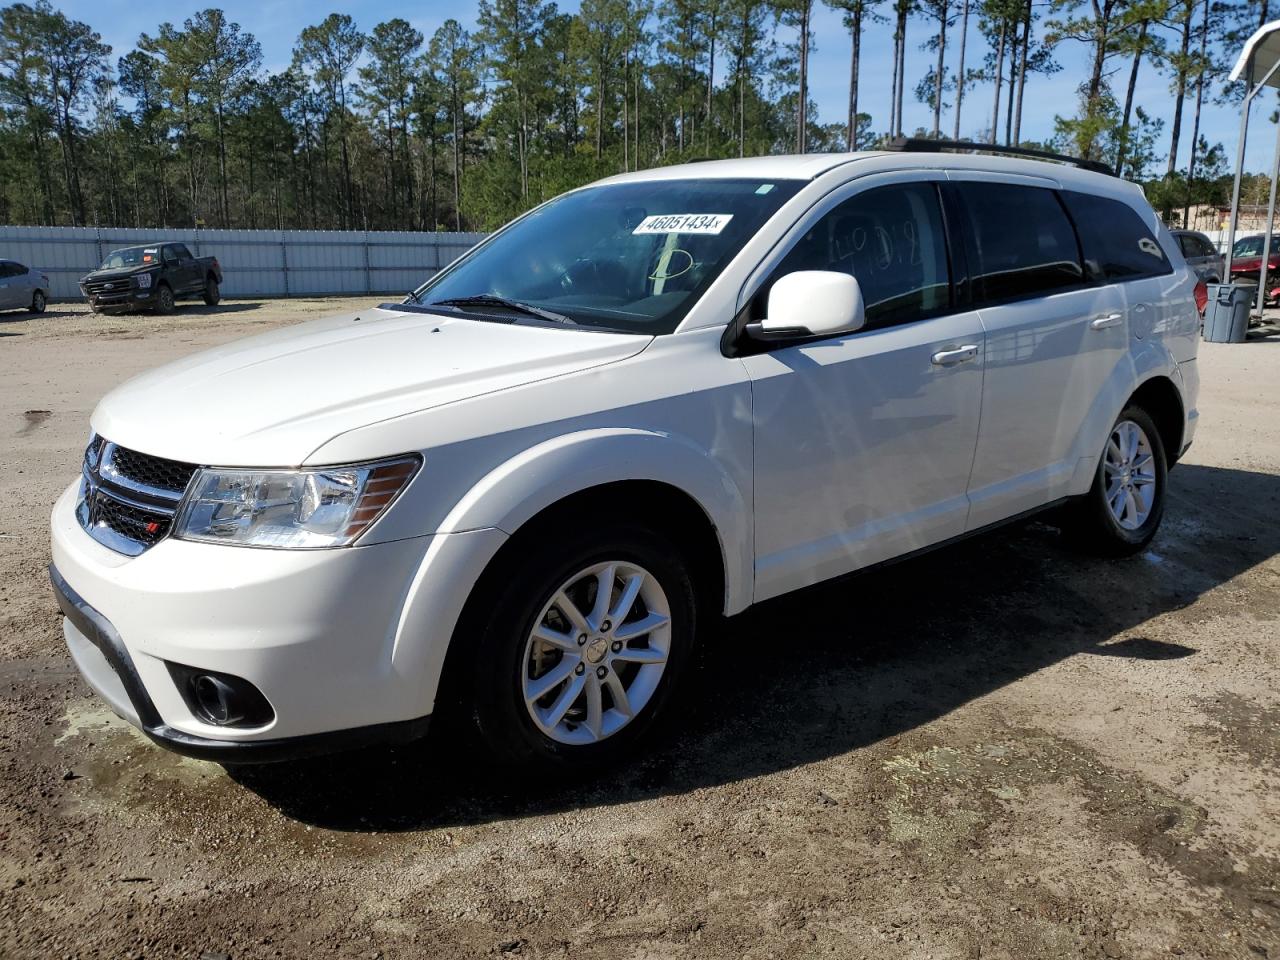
926	145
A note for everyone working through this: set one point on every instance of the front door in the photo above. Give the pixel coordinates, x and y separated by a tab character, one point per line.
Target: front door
863	442
9	292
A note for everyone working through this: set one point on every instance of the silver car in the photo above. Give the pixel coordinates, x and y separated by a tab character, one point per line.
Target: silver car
22	288
1201	255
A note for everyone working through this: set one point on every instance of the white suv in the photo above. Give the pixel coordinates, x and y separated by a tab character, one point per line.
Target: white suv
520	496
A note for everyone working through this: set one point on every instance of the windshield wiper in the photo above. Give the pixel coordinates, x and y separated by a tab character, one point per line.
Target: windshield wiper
488	300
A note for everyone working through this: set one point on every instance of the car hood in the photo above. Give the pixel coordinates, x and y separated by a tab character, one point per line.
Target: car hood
273	399
118	272
1250	264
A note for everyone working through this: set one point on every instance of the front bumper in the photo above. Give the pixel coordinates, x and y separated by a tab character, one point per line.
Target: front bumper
124	298
345	645
104	661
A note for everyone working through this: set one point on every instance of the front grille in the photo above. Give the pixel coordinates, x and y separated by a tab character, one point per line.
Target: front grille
104	290
144	527
155	472
128	499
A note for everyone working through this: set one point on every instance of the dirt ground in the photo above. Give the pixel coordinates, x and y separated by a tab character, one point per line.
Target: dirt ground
1000	750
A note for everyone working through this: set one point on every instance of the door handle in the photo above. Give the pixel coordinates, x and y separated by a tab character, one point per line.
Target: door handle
1106	320
948	358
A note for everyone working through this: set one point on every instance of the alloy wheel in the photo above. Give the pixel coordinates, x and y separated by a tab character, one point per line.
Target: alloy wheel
596	653
1130	471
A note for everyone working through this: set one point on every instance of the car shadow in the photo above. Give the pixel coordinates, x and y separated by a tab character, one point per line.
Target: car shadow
840	666
226	306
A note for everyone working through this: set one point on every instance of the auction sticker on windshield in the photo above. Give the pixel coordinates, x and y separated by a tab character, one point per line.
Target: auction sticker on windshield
708	223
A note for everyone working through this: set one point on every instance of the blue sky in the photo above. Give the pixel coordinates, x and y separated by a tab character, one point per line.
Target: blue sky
276	24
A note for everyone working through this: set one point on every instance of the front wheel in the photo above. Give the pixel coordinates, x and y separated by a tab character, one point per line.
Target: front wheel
38	302
164	300
1122	510
582	643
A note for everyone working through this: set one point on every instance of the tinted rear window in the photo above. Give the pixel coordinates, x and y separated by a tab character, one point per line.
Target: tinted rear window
1022	242
1117	244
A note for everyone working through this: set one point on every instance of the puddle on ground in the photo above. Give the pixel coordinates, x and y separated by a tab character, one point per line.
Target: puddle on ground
946	793
1244	726
33	420
115	754
943	799
90	717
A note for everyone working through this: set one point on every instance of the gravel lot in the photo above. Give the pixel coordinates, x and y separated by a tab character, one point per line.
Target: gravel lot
1000	750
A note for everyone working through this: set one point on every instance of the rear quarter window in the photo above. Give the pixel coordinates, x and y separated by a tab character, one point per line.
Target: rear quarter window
1118	246
1021	242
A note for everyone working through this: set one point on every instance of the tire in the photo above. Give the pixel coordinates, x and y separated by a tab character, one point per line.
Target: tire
1123	479
506	665
164	299
38	302
211	293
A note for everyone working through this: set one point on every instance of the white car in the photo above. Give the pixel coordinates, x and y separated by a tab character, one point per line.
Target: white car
520	496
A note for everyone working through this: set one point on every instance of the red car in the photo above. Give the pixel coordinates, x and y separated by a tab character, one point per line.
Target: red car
1246	263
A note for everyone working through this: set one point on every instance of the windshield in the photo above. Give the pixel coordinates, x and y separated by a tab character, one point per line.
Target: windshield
1252	246
632	257
131	257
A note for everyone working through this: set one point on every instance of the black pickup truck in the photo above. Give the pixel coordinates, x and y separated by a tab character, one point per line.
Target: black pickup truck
153	277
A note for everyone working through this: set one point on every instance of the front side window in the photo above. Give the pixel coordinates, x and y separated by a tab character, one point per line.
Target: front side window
631	257
1022	244
891	239
1118	246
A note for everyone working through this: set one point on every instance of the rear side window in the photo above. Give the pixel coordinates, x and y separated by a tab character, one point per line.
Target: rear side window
180	251
1118	246
1190	245
892	240
11	269
1022	244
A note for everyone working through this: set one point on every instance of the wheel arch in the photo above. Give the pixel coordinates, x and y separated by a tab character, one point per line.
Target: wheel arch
1160	398
667	478
662	471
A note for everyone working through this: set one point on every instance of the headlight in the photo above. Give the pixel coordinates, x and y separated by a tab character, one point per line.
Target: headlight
295	509
143	279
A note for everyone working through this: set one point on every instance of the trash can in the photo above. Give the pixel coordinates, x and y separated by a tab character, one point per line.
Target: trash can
1226	315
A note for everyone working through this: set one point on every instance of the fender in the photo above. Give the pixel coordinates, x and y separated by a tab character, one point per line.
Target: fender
517	490
1146	360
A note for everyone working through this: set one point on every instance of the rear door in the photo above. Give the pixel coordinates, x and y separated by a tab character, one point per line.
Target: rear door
178	264
1053	338
1120	244
863	442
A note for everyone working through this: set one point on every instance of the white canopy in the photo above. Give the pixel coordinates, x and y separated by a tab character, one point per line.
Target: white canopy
1259	56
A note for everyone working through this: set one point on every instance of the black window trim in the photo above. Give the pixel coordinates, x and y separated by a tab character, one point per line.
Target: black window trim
735	343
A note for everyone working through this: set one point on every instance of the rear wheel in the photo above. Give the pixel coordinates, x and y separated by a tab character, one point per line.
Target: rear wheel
164	299
38	302
582	641
211	293
1122	510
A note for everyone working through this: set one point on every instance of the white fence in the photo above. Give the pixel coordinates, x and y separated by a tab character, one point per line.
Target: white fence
255	263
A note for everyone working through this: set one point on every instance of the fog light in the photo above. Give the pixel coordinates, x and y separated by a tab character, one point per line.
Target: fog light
220	698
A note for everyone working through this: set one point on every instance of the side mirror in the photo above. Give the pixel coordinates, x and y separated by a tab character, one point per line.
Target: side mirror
811	303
